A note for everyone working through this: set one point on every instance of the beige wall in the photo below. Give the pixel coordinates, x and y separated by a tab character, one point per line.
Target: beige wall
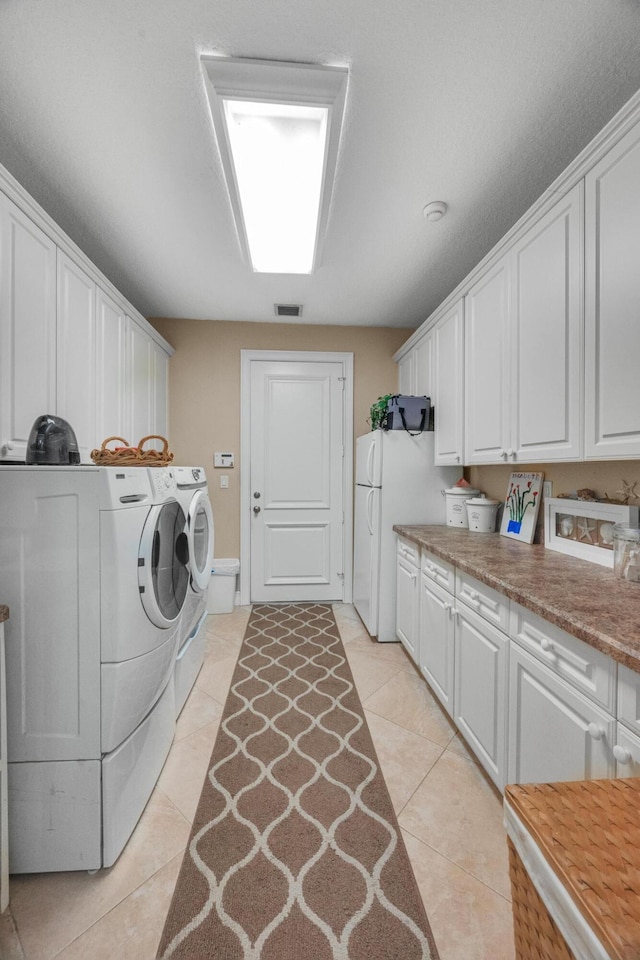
204	391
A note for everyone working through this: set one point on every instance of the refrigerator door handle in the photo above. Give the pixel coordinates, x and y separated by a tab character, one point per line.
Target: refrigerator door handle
369	509
370	456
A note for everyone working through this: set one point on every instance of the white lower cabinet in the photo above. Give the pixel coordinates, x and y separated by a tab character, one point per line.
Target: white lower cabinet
627	753
534	703
555	733
480	689
407	597
436	640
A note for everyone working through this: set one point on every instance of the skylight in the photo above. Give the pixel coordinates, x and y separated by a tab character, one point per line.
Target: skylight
278	126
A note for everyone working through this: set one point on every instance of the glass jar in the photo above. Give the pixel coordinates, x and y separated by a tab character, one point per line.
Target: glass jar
626	552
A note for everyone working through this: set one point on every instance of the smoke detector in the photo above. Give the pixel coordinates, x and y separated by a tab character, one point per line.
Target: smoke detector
434	211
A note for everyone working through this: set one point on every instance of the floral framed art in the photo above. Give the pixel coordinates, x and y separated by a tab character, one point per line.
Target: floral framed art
521	506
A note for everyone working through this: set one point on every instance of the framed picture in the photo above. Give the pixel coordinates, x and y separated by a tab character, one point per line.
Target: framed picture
584	528
521	506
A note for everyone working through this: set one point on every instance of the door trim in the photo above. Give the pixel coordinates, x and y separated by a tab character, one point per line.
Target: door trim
300	356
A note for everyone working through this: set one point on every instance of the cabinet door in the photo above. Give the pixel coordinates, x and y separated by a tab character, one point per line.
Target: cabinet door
487	415
612	295
546	312
554	732
448	391
480	695
406	374
423	373
113	408
4	821
27	328
407	606
160	392
141	381
77	353
436	640
627	753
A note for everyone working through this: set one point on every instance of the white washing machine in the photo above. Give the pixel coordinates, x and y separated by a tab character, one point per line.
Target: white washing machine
93	563
192	494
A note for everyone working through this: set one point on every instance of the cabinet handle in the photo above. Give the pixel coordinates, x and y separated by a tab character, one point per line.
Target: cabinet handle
595	732
7	446
503	454
621	755
546	645
457	459
511	453
473	596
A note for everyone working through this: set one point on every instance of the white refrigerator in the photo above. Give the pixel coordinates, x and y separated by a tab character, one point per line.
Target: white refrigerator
396	482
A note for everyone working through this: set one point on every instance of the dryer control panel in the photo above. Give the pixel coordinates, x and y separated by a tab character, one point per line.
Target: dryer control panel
163	483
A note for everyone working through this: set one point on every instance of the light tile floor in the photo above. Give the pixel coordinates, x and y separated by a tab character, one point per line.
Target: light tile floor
451	818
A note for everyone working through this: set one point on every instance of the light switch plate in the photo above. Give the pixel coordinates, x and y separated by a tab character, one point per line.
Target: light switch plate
547	489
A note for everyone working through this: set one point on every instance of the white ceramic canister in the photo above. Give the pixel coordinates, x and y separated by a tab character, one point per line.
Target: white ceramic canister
481	514
456	507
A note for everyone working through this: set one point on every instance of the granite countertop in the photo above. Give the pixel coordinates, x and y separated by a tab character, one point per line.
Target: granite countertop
4	613
583	598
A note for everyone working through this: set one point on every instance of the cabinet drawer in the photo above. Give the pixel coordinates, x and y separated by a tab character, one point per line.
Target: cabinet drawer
586	669
489	603
439	571
629	698
408	551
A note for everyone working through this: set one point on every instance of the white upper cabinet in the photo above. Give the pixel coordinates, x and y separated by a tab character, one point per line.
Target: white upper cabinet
487	374
112	383
66	345
546	330
423	368
141	381
406	373
415	369
447	394
612	304
523	353
160	392
76	353
27	328
148	378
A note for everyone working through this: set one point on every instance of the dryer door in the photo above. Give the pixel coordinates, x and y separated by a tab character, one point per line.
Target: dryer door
200	531
163	577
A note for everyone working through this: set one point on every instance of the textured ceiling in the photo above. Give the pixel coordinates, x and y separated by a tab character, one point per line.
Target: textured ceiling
481	103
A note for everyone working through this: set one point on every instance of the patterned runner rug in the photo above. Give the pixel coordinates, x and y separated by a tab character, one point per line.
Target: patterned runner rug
295	851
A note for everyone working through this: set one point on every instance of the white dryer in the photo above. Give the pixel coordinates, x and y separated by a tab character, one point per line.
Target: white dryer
192	494
93	562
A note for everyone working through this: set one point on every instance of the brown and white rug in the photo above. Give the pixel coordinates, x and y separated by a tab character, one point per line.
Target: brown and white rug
295	851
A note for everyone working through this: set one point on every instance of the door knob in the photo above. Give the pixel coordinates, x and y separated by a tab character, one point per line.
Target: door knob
256	509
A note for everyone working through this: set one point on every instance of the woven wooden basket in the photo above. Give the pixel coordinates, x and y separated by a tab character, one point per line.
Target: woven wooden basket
589	833
126	456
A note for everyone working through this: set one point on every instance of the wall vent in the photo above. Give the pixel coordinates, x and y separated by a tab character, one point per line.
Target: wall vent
288	309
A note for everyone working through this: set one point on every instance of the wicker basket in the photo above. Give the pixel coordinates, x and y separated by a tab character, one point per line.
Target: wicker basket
588	831
126	456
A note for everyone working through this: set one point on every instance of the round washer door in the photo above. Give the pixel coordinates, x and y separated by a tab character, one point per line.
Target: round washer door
200	533
163	577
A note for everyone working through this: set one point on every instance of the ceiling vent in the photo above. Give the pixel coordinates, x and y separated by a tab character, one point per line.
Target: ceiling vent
288	309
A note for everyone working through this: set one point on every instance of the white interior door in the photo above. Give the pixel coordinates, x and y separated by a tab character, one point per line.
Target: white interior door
296	500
